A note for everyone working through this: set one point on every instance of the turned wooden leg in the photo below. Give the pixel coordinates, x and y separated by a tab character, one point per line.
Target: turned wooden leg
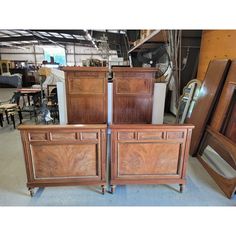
113	189
103	189
31	190
7	116
1	119
13	120
181	188
20	116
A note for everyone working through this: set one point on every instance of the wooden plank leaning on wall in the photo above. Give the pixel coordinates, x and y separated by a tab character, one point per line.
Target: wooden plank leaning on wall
211	86
221	134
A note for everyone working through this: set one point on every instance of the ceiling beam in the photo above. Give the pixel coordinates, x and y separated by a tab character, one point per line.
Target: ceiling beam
34	37
63	31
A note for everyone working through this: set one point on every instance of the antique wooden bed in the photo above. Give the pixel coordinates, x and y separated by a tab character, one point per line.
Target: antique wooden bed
62	155
149	154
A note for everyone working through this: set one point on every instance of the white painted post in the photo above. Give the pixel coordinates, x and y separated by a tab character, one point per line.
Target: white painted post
61	94
158	103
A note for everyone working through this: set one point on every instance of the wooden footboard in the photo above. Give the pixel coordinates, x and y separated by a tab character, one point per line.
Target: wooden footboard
59	155
226	149
149	154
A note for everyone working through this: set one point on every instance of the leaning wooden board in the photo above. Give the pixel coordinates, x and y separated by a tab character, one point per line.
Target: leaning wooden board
211	86
149	154
62	155
221	134
224	117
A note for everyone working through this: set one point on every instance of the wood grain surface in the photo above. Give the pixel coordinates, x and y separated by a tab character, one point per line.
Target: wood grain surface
148	158
133	95
215	44
227	151
86	93
209	92
61	155
149	154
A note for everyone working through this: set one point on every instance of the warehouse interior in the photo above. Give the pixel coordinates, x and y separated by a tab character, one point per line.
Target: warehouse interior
47	80
131	123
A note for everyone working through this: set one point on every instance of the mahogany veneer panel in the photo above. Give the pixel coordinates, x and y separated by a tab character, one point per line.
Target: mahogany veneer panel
86	92
149	154
133	94
64	160
211	86
142	158
64	154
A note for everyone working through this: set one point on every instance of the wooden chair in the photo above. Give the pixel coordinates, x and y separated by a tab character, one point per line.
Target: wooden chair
10	108
52	103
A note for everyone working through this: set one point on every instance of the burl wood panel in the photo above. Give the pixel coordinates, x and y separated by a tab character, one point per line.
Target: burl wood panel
57	155
211	86
148	158
86	85
86	92
149	154
64	160
133	95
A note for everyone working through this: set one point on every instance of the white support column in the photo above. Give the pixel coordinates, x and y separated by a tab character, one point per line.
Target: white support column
158	103
61	91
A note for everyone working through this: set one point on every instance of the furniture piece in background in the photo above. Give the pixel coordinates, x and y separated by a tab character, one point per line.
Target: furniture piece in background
187	100
86	94
14	81
52	101
5	66
63	155
27	79
211	86
11	108
217	154
218	148
33	102
149	154
133	94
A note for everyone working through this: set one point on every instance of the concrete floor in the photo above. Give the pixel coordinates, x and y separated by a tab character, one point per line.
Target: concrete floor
200	190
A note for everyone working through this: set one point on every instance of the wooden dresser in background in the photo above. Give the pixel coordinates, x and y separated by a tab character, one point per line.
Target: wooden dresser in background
133	94
86	94
62	155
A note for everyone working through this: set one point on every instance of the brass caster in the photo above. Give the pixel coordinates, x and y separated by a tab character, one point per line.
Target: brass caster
31	190
103	189
181	188
112	189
